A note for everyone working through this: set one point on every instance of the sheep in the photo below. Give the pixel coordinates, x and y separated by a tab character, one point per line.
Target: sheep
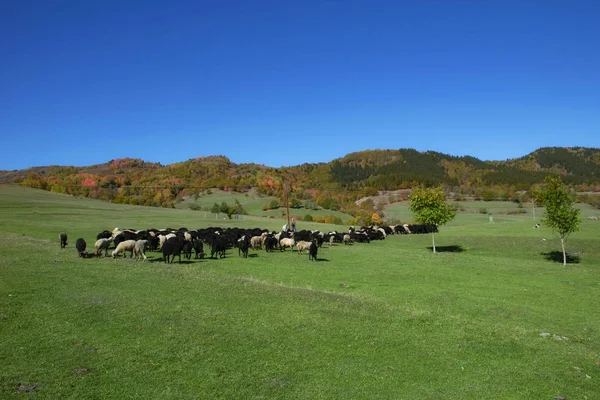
312	251
80	246
270	243
256	242
172	247
163	238
198	248
244	243
346	239
187	249
102	244
218	247
104	235
127	245
302	245
63	240
286	242
139	249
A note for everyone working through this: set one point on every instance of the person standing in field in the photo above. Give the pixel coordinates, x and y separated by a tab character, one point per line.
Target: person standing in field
491	219
293	223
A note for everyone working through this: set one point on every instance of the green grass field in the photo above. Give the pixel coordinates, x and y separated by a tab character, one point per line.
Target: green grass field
253	204
491	316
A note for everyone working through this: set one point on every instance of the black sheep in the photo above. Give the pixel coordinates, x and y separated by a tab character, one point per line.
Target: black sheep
172	247
63	240
270	243
244	245
198	247
103	235
187	249
80	245
312	250
219	245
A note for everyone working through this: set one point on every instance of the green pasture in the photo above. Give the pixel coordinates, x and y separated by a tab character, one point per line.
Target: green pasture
490	316
253	204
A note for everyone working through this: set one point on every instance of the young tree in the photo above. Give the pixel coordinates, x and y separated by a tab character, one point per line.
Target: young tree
560	214
429	207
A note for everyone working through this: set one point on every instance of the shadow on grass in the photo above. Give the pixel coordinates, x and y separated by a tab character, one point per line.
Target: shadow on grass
448	249
557	256
322	259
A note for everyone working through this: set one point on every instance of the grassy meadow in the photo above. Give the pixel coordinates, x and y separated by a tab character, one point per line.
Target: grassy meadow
492	315
253	204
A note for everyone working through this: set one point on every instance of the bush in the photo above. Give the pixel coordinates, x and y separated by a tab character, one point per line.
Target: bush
483	210
195	207
274	204
308	218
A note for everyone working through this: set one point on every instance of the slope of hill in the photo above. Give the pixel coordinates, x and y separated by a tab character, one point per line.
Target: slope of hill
335	185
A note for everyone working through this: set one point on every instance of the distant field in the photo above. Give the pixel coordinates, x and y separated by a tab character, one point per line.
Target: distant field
253	204
491	316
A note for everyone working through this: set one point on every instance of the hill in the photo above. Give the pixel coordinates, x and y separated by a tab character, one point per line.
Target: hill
335	185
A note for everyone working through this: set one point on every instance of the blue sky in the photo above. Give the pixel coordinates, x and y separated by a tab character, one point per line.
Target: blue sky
289	82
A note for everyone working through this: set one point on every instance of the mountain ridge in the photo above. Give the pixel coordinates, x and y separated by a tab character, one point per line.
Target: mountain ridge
136	181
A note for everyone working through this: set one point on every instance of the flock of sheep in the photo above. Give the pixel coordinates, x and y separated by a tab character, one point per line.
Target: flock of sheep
178	242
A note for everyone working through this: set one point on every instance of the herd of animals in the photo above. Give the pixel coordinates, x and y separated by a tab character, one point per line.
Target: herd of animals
178	242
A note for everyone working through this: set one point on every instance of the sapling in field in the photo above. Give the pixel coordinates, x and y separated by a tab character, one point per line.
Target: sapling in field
429	207
560	214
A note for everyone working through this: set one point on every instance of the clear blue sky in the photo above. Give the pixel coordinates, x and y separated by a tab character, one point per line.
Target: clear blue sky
287	82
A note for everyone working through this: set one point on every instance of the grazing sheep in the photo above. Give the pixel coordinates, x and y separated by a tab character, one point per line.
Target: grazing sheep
172	247
286	242
312	251
63	240
104	235
163	238
243	244
346	239
80	246
256	242
302	245
127	245
139	249
187	249
102	244
270	243
198	248
218	247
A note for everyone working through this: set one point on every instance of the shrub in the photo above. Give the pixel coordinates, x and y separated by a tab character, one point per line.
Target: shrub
483	210
308	218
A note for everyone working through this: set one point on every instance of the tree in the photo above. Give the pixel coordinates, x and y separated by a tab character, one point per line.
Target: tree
429	207
560	214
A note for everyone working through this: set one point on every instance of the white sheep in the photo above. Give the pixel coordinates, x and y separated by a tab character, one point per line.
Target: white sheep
302	245
256	242
286	242
102	244
346	239
163	238
140	249
127	245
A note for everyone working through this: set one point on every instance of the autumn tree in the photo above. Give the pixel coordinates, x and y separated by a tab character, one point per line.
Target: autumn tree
429	207
560	214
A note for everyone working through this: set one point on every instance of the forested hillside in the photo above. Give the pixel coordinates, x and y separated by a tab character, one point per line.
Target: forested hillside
335	185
